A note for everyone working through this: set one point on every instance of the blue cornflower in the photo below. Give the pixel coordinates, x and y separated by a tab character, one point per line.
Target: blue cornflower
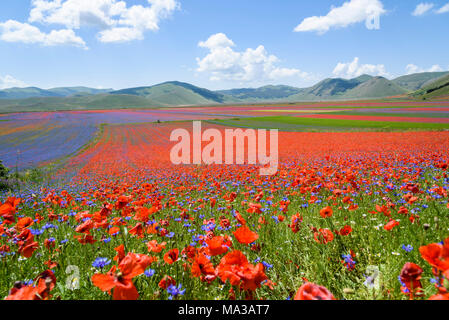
175	291
407	248
149	272
349	262
101	263
267	265
404	287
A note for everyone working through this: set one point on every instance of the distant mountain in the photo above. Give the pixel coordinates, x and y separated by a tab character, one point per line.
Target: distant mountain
362	87
334	87
436	89
86	102
177	93
73	91
377	87
417	81
262	93
33	92
23	93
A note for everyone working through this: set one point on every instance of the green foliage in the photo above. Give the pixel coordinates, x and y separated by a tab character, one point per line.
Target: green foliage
3	176
3	171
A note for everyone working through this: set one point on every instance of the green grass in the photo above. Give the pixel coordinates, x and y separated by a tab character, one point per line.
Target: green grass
394	114
301	124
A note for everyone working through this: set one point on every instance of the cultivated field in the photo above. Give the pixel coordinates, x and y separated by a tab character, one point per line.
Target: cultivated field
357	210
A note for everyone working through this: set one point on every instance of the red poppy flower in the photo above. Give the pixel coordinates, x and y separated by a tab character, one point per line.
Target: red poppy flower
166	282
235	267
85	239
437	255
245	235
239	218
346	230
218	245
9	207
137	230
296	221
113	230
411	276
440	296
202	266
45	283
153	246
326	212
131	266
85	227
28	248
24	223
254	208
120	253
390	225
171	256
323	236
311	291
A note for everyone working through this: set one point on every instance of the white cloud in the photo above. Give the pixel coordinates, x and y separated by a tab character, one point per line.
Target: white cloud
354	69
14	31
252	65
122	34
412	68
117	22
10	82
443	9
422	8
351	12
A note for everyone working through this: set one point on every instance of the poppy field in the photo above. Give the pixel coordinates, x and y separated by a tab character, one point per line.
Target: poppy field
348	215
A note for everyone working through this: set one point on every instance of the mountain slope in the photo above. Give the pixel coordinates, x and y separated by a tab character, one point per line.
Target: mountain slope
33	92
177	93
72	91
413	82
337	86
23	93
377	87
436	89
89	102
262	93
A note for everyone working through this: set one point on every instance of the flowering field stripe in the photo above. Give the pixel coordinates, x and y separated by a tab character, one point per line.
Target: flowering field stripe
395	113
377	118
300	123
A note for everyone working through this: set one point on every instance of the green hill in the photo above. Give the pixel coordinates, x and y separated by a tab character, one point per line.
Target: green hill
176	93
362	87
262	93
23	93
91	102
417	81
436	89
336	87
72	91
377	87
33	92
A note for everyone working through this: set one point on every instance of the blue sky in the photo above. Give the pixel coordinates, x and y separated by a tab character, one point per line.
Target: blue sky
216	44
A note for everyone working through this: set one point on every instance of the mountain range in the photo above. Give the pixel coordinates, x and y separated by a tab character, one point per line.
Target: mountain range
174	93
